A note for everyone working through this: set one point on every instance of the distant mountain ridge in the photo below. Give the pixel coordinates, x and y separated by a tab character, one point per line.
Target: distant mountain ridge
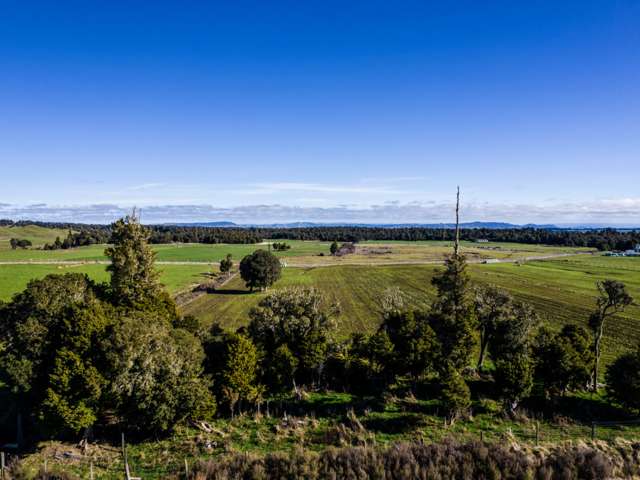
490	225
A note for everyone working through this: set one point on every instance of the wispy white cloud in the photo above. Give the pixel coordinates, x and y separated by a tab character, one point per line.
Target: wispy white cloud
146	186
609	211
277	187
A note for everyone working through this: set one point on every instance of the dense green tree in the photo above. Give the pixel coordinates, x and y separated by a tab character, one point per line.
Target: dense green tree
415	345
261	269
452	315
511	351
514	378
563	360
492	306
612	299
239	375
281	369
19	243
454	393
226	264
300	318
156	375
623	380
334	247
134	280
51	361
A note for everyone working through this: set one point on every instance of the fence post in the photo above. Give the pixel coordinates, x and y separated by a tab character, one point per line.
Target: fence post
2	465
537	433
124	456
593	430
91	471
186	469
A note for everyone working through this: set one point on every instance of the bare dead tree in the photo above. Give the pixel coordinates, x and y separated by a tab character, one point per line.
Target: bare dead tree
456	245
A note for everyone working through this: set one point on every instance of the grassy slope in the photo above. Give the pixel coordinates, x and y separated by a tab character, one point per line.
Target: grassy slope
38	235
561	290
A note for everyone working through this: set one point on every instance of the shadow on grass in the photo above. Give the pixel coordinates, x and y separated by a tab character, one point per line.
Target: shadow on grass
232	291
393	423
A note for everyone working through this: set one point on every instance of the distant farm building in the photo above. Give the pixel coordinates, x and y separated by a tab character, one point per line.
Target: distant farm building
481	240
634	252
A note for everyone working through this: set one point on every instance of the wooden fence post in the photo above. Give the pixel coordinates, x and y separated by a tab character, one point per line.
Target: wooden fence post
2	465
537	432
186	469
124	457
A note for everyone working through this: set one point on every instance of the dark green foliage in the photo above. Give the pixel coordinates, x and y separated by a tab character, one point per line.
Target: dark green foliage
454	393
281	370
415	346
452	316
612	298
563	360
605	239
226	264
156	375
260	270
514	378
491	306
511	352
334	247
300	318
134	280
19	243
623	380
51	334
233	361
280	246
189	323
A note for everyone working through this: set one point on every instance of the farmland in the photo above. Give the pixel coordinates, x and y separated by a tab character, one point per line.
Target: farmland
561	290
13	278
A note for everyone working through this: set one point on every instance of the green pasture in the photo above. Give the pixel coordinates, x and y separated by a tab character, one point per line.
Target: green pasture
561	290
37	235
14	278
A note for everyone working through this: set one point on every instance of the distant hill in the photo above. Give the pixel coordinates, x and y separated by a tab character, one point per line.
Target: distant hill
491	225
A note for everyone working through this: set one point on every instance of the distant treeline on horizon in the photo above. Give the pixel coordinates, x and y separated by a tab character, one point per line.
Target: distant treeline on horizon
601	239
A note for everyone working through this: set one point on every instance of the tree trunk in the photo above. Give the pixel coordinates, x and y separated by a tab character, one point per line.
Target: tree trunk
483	351
596	364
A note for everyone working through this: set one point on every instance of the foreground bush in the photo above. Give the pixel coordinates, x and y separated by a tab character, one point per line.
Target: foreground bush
440	461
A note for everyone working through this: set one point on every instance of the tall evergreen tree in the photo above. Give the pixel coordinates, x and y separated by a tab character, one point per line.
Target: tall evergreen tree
134	280
452	315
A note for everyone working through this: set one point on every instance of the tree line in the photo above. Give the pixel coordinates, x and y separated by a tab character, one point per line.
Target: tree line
601	239
76	355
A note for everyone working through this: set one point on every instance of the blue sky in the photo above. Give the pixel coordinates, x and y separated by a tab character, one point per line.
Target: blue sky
332	111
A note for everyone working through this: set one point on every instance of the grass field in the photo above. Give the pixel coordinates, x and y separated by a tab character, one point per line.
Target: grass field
14	278
37	235
561	290
301	252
